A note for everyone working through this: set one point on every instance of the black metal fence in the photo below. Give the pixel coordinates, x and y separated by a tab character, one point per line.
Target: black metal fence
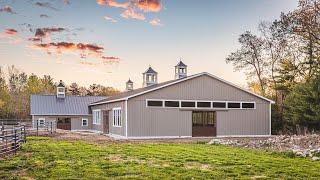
11	139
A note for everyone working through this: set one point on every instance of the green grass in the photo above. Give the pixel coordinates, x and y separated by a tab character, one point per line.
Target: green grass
43	158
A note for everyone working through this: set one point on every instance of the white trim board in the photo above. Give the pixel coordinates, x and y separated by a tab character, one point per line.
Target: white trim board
181	80
223	136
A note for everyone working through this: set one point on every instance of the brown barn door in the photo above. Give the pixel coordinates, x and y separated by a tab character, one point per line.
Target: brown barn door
106	122
64	123
203	124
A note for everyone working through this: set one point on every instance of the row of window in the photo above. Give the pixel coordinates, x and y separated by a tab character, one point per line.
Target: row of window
200	104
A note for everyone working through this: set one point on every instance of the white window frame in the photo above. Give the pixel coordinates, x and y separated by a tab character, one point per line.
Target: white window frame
195	104
117	117
96	116
62	93
234	102
41	120
254	105
84	119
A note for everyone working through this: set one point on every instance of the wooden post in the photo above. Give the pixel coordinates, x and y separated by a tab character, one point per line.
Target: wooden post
24	134
15	141
37	127
51	127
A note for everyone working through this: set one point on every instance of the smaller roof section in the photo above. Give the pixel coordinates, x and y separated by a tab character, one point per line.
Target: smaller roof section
150	71
129	81
181	64
70	105
60	84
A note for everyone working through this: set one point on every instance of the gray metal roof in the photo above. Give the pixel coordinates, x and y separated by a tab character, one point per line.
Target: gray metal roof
70	105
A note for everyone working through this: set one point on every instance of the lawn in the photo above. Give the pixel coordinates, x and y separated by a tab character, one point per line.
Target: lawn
43	158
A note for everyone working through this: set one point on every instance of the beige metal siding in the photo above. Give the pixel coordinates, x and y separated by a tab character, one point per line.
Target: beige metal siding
112	129
143	121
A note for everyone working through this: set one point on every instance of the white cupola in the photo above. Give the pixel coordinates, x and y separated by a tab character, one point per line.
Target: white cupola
180	70
61	90
129	85
150	77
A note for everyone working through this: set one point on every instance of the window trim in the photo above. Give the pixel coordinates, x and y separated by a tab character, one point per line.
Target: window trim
203	107
225	102
234	102
41	119
119	124
86	119
164	103
95	121
154	100
195	104
254	105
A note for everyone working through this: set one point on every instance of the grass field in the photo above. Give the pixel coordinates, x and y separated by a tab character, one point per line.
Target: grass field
43	158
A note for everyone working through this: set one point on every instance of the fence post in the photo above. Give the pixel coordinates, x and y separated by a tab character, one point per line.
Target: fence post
15	141
24	134
51	127
37	127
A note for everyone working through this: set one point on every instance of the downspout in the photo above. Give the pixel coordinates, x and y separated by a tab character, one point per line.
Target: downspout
126	115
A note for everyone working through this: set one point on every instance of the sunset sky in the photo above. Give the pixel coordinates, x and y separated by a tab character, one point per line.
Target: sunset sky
108	41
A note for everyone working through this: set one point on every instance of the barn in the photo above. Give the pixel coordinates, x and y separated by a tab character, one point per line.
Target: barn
199	105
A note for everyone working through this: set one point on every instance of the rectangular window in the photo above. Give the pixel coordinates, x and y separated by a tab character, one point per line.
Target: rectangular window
96	119
248	105
188	104
84	122
41	122
154	103
218	104
171	103
117	117
233	105
203	104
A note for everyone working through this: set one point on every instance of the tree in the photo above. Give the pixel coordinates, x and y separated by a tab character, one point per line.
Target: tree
303	105
250	58
74	89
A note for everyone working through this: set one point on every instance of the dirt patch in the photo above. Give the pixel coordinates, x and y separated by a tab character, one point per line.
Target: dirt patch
197	165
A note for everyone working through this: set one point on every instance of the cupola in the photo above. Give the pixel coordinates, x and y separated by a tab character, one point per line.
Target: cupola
180	70
150	77
61	90
129	85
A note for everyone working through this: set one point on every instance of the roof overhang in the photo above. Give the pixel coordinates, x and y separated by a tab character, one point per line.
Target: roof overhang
183	79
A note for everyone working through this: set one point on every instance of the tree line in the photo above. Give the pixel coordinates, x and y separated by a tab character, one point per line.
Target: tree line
282	62
16	87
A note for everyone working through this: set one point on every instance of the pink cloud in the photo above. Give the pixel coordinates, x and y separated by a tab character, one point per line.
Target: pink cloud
132	14
155	22
110	19
149	5
113	3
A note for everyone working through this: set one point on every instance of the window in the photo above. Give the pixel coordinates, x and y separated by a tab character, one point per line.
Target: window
96	116
234	105
116	117
203	104
41	122
171	103
154	103
188	104
84	122
219	105
248	105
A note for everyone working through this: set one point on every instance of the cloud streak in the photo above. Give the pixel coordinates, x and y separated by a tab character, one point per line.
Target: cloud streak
108	18
132	14
46	5
155	22
7	9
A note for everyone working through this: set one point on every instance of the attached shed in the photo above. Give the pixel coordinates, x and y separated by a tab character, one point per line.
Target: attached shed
69	112
196	105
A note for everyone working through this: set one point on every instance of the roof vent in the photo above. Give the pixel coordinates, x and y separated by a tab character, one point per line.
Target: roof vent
180	70
129	85
150	77
61	90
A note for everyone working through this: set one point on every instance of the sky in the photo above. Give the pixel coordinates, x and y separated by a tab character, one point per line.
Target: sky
109	41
